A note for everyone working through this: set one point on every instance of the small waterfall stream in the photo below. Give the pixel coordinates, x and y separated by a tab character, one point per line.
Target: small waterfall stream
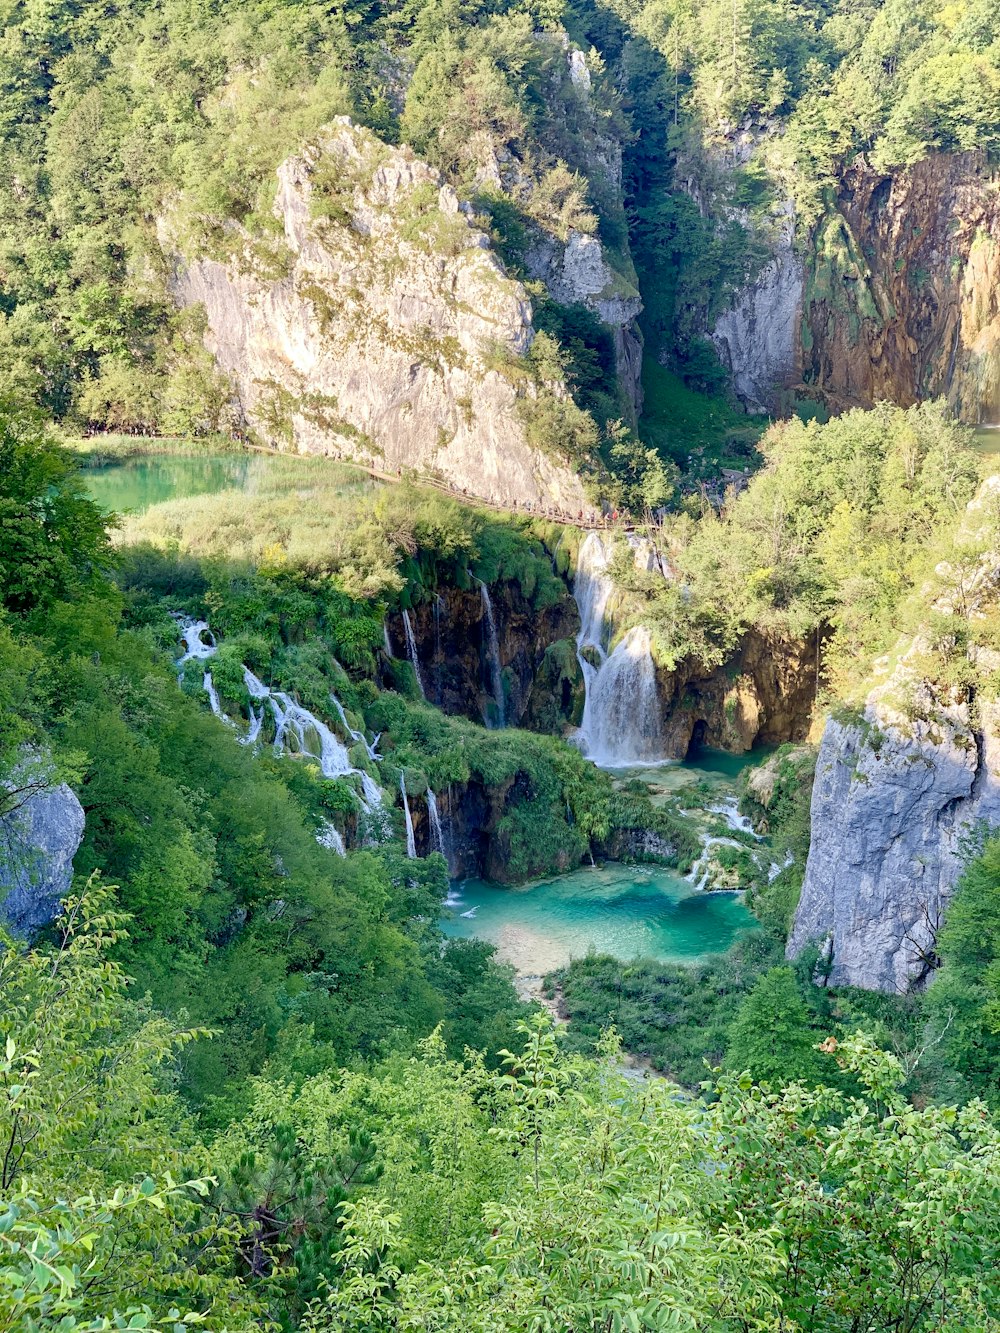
440	831
622	718
438	652
329	837
492	646
411	846
411	652
434	821
297	731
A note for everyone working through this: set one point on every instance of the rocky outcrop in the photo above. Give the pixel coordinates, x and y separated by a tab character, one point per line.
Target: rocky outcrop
891	811
540	674
902	301
758	337
900	791
38	840
578	267
393	338
577	273
763	694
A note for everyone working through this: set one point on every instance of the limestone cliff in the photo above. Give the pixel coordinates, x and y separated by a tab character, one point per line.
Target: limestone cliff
576	265
38	840
902	300
393	337
893	295
900	791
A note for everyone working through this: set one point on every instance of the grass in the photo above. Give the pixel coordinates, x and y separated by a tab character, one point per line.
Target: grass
700	432
99	450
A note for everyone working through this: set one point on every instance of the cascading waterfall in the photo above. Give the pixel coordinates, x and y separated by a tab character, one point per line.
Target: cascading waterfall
700	873
411	652
358	736
296	729
385	639
208	685
492	646
622	718
329	837
411	846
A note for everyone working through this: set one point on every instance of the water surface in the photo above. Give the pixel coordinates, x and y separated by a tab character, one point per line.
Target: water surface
136	484
626	911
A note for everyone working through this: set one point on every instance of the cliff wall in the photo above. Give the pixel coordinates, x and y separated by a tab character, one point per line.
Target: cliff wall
393	336
894	295
900	791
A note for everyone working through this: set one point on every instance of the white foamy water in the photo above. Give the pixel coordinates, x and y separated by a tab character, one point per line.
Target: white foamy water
622	718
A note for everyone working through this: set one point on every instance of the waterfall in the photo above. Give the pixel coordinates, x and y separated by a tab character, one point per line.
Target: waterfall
358	736
192	637
296	729
622	718
329	836
208	685
492	646
434	821
385	638
411	846
411	652
440	831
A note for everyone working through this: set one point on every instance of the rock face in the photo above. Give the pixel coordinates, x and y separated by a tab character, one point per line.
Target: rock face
758	338
898	794
903	296
890	813
763	695
540	673
37	844
395	336
895	295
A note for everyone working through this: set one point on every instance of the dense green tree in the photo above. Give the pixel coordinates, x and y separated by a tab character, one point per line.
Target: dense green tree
964	999
772	1035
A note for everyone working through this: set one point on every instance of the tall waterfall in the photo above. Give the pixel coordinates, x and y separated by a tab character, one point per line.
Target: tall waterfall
434	820
411	652
411	846
622	718
493	654
440	839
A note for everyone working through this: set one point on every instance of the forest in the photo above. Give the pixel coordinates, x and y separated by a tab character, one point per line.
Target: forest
251	1078
247	1083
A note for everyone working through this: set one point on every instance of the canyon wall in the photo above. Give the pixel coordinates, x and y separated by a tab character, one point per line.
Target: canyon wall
894	295
902	300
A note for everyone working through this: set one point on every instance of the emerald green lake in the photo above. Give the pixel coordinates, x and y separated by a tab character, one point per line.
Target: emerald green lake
136	484
626	911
